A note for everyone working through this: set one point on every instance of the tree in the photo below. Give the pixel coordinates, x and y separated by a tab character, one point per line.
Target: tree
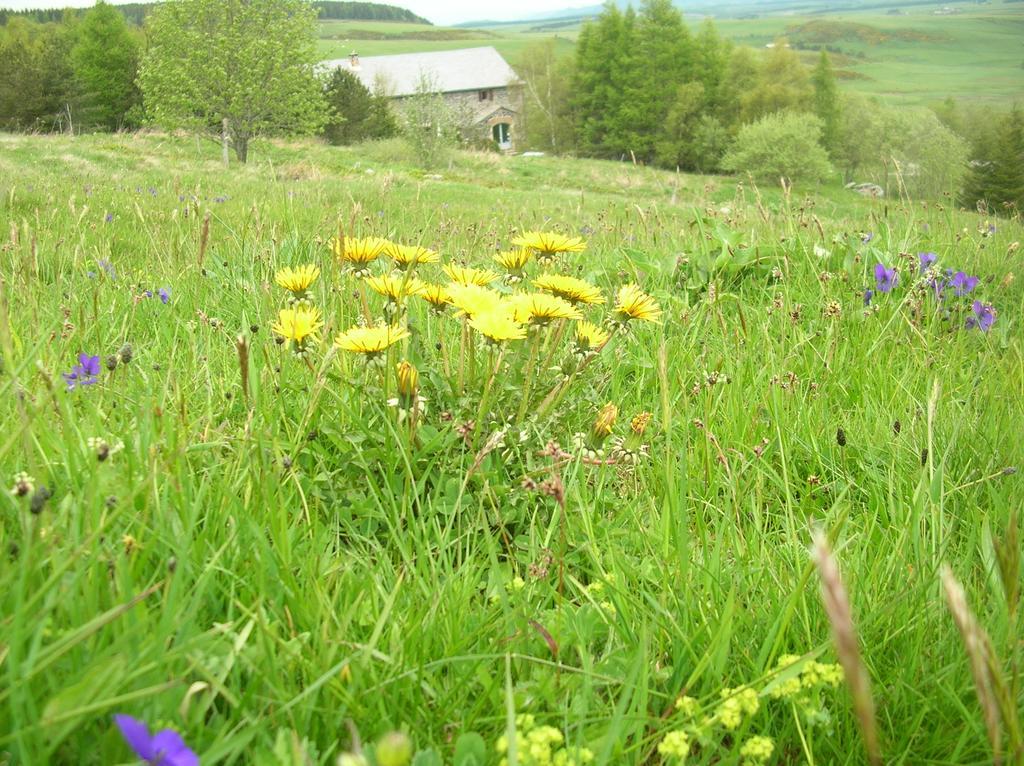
783	145
996	179
35	75
660	59
356	114
105	58
675	147
246	64
712	55
430	125
782	85
601	64
547	113
826	102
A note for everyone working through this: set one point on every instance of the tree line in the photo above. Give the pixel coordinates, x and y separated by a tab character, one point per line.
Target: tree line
641	87
135	13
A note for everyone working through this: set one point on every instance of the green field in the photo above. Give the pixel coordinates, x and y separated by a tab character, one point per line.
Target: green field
257	550
915	57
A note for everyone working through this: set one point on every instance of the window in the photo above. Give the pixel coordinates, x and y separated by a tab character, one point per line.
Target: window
486	95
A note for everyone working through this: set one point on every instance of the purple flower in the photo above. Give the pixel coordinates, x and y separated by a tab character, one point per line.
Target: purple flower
868	295
108	217
85	373
927	259
962	284
867	237
108	268
165	294
165	748
885	279
148	293
984	316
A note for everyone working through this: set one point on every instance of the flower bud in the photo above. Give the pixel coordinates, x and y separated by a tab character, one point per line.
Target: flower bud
394	749
408	379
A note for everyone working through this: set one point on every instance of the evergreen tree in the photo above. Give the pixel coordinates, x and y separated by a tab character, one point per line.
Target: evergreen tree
712	54
357	115
660	59
826	102
105	58
996	179
601	50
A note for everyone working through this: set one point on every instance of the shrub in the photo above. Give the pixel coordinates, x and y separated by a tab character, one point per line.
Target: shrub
780	145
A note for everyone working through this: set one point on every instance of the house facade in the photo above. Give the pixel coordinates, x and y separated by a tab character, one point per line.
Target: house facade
476	82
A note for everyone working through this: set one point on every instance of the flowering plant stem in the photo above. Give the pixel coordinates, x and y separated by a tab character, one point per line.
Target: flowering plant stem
481	410
528	378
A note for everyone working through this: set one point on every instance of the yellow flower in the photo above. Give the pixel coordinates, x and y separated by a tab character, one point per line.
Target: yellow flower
408	379
395	288
436	295
570	288
370	340
359	252
757	750
405	256
639	423
548	243
300	325
634	303
297	280
474	299
541	308
590	337
497	325
605	421
464	275
514	260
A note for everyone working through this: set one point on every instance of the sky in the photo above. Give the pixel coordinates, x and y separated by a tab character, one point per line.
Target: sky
437	11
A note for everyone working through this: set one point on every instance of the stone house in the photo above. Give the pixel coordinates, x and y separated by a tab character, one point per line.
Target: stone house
477	82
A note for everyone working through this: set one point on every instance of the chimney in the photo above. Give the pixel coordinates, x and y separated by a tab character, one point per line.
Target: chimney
353	60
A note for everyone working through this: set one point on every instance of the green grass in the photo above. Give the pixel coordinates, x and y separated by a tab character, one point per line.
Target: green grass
299	563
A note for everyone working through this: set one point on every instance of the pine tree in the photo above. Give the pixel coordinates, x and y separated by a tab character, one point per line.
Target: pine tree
105	58
997	175
826	102
712	54
661	59
600	52
357	114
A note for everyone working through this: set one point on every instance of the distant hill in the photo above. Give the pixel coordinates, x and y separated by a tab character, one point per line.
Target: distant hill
329	9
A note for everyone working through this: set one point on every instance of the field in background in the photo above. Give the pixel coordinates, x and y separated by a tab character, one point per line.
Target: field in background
913	57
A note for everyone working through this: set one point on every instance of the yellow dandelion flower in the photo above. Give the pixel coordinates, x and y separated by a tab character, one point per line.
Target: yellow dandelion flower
436	295
297	280
300	325
570	288
549	243
370	340
474	299
605	421
464	275
405	256
408	379
634	303
498	325
514	260
591	337
541	308
639	423
395	288
358	252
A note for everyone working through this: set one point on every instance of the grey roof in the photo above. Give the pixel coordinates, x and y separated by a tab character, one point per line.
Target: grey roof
449	71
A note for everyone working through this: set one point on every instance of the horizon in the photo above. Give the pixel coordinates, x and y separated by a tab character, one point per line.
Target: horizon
439	12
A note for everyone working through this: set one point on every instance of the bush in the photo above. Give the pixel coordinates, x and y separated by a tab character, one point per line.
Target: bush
356	114
780	145
429	124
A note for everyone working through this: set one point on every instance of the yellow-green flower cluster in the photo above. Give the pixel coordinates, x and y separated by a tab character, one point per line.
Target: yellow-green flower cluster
736	704
756	751
541	746
812	675
675	745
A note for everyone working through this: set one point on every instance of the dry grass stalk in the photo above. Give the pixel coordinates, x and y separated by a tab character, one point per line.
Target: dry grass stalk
844	634
976	644
204	239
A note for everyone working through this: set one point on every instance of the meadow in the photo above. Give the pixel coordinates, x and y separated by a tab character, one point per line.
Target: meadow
522	544
911	57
